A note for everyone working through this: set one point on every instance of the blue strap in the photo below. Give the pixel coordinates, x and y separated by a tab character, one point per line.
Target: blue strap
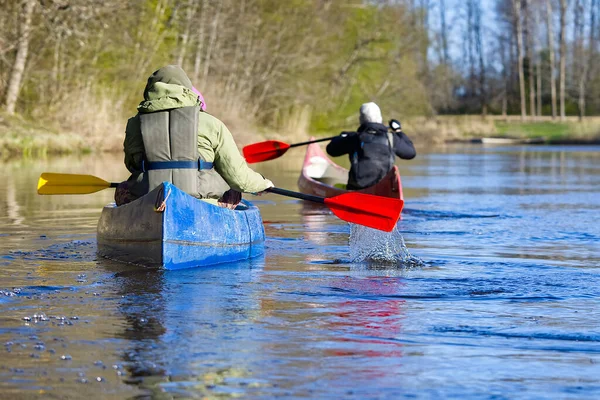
204	165
199	165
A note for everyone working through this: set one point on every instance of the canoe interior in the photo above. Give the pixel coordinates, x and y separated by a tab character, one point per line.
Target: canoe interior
322	177
321	169
189	233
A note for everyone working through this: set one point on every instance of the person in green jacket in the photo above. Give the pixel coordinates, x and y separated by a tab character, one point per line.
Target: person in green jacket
168	89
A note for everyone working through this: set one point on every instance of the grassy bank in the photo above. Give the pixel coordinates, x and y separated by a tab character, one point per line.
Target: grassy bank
22	137
570	130
85	132
447	128
29	137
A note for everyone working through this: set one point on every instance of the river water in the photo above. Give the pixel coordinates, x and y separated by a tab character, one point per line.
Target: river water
505	303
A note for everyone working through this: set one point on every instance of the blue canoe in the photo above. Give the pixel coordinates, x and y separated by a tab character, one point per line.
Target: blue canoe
188	233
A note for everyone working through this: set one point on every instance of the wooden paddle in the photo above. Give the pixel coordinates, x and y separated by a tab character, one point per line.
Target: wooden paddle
272	149
363	209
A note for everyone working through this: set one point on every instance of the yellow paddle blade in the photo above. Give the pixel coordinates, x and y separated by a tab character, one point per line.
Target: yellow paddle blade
51	183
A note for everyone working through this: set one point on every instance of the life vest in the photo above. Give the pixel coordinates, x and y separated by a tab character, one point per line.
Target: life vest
171	151
373	160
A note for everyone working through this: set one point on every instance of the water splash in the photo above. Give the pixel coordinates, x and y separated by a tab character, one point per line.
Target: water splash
375	246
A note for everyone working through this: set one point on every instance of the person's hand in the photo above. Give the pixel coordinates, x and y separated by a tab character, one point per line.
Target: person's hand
230	199
269	185
395	125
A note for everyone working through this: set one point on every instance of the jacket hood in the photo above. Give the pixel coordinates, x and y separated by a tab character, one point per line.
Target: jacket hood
372	127
168	88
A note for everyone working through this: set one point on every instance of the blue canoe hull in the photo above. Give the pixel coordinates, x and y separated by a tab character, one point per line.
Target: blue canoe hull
188	233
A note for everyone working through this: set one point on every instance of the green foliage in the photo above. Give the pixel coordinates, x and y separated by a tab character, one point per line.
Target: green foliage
367	61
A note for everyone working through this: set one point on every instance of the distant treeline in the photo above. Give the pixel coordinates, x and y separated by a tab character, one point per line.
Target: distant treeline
300	64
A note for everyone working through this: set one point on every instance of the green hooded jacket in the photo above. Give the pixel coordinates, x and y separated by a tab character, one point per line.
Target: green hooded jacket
169	88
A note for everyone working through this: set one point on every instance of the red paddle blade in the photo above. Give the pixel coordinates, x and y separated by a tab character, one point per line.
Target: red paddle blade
366	209
264	151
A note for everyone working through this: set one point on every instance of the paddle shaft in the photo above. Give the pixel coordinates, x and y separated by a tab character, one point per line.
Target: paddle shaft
301	196
319	140
314	141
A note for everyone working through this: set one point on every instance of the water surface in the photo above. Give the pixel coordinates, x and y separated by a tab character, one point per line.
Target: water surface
506	304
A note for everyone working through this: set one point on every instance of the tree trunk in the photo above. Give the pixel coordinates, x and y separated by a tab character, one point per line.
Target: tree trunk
517	8
563	57
424	11
445	56
504	77
592	41
471	47
56	68
538	68
233	78
550	23
200	44
211	42
580	35
444	32
153	37
530	56
512	63
16	76
185	36
479	46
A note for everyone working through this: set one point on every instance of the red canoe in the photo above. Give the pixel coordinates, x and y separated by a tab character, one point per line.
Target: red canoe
322	177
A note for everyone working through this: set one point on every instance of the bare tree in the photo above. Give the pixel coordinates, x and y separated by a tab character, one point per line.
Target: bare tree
477	30
200	39
538	66
550	24
594	35
519	23
580	54
444	32
530	55
14	85
185	36
503	49
212	41
563	57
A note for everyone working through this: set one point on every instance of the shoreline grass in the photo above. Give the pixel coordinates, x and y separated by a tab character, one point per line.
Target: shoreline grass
21	137
588	129
24	138
466	128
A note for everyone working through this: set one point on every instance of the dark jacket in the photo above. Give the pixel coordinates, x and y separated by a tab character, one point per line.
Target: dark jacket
371	154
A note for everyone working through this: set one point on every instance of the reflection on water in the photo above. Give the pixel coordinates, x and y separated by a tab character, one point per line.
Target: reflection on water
505	303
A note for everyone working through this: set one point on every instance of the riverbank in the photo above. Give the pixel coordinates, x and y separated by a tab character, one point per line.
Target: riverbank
21	137
473	128
24	137
570	131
